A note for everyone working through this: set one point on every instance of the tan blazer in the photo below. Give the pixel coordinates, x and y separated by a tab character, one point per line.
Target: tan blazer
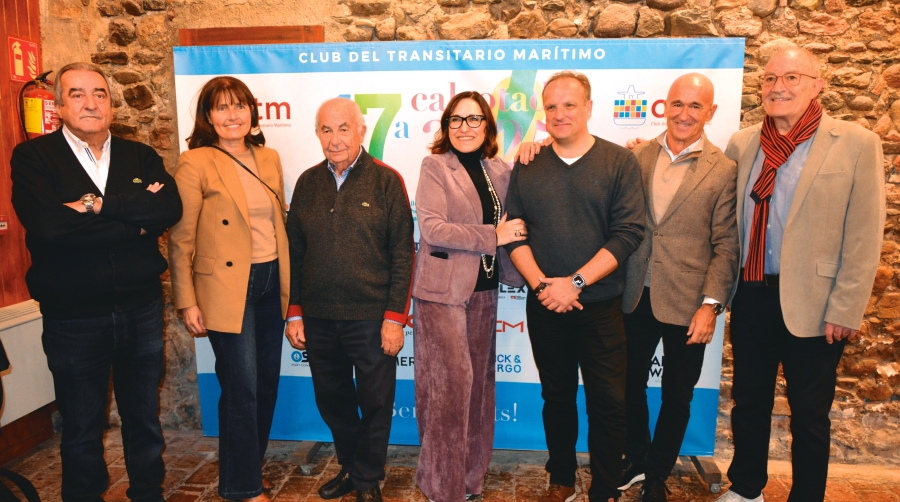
832	238
210	248
450	218
695	245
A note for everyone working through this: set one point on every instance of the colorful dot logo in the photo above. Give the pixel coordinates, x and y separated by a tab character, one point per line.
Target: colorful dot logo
630	111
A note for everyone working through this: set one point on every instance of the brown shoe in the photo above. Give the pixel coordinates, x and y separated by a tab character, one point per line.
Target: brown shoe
558	493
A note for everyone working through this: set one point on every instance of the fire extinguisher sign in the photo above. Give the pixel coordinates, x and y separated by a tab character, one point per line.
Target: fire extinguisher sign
24	64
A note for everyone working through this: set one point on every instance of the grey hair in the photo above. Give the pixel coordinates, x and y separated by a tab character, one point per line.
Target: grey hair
580	77
357	113
57	84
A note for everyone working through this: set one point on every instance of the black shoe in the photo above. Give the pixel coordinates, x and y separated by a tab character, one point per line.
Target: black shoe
370	495
634	473
339	486
654	490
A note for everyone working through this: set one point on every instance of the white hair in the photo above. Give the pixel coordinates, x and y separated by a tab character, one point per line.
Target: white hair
344	102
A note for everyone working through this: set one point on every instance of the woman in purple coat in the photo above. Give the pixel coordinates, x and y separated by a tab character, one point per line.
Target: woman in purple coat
459	205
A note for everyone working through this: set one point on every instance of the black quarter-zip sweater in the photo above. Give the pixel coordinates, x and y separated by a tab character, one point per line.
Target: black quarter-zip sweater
85	265
351	249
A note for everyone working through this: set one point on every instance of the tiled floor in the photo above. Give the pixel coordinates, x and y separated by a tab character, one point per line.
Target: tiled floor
514	476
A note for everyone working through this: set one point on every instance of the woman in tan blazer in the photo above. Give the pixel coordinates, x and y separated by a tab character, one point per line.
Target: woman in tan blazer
459	266
229	262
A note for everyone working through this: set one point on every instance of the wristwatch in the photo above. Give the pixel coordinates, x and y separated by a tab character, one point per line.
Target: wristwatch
579	281
88	201
718	308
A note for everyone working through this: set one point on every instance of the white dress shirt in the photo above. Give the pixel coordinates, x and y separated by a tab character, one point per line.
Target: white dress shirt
97	169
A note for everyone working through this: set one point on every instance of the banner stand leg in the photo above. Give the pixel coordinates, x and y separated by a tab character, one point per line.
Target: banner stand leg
709	472
304	454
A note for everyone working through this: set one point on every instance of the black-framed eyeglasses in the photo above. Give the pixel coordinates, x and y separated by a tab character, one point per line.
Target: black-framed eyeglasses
789	79
473	121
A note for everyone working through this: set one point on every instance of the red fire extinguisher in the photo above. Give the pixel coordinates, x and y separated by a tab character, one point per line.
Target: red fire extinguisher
37	107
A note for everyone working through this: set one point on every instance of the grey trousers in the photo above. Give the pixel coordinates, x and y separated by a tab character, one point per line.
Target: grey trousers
455	351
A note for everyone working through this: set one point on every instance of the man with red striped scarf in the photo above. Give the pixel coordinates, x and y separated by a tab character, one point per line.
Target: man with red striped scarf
810	209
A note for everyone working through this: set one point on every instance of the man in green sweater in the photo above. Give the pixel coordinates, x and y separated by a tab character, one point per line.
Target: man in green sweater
583	203
350	230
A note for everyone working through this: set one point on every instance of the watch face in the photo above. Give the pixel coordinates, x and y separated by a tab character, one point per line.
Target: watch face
578	281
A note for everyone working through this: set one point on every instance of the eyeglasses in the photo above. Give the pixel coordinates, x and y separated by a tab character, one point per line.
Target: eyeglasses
789	79
474	121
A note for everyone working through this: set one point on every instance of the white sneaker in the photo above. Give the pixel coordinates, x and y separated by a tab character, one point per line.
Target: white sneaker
734	497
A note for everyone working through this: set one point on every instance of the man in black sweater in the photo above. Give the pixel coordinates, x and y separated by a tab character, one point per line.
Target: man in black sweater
93	207
350	230
583	203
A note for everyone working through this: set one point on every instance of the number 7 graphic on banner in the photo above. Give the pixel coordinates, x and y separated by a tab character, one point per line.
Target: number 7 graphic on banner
391	104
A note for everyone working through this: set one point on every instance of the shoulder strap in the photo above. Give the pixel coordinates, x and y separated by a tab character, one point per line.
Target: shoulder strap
217	147
25	486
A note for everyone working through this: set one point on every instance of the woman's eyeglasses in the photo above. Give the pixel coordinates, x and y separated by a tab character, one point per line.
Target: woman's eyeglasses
455	121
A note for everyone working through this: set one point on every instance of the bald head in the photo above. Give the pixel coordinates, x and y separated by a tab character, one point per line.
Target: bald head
689	106
701	85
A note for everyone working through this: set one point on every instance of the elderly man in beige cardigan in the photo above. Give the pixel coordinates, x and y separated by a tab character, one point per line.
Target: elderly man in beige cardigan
810	212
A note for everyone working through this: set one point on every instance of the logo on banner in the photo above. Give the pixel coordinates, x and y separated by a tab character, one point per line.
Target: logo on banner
509	363
657	364
630	111
512	292
299	358
503	326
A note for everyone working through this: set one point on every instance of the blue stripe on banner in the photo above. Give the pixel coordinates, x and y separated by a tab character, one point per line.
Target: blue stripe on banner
587	54
518	421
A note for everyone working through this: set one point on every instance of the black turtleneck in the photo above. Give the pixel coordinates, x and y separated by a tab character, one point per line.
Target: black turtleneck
472	162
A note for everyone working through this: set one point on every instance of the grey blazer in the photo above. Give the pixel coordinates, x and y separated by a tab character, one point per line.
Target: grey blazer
696	249
450	218
832	238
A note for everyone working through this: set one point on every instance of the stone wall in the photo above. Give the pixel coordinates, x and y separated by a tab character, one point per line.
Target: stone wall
855	40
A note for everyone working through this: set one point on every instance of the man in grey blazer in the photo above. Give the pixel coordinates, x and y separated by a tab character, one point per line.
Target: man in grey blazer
810	212
679	279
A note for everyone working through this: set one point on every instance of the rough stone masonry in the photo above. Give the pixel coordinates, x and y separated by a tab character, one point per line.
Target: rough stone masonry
855	40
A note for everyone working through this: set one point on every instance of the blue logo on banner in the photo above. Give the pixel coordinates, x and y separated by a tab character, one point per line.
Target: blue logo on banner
297	356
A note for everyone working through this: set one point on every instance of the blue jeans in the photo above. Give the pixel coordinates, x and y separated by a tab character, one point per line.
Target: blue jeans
80	354
248	365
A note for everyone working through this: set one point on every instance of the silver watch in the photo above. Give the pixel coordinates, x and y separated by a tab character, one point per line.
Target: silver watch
579	281
88	201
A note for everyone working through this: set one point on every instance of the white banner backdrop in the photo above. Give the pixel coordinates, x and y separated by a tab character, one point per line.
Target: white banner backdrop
402	88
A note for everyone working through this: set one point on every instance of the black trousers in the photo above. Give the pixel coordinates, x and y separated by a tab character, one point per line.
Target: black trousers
682	364
359	416
760	341
594	339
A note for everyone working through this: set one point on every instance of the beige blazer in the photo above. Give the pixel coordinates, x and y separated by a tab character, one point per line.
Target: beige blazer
695	246
832	238
210	248
450	218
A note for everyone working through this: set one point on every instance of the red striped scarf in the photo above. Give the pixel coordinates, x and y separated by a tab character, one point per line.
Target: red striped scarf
777	149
